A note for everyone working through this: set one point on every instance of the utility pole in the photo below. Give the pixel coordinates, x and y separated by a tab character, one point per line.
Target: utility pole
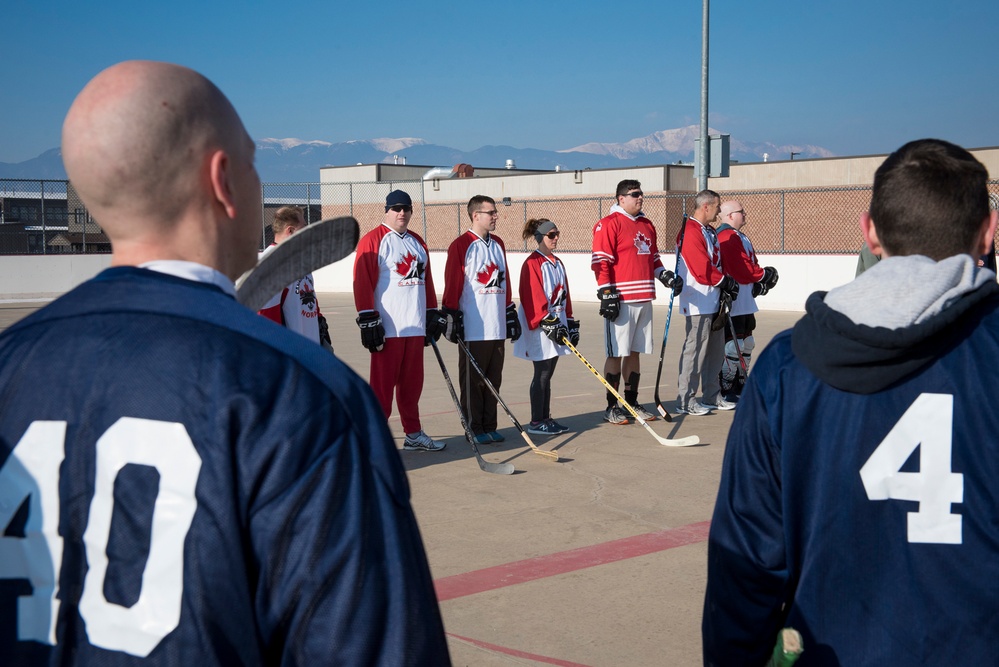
702	156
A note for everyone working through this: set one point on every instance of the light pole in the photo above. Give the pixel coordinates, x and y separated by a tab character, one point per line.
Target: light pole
702	153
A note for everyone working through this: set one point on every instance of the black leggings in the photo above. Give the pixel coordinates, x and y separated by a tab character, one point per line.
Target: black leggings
541	389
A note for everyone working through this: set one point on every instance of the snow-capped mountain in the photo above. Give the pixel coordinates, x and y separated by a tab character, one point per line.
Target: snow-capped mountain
299	161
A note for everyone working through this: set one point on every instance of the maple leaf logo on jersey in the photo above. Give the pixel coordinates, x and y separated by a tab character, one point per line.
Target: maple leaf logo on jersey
643	243
409	267
558	296
490	275
307	295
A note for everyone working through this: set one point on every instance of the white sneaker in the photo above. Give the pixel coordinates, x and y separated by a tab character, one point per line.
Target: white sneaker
693	409
422	441
720	404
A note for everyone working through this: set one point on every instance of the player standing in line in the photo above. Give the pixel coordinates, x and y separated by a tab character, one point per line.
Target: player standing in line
739	262
705	284
625	260
301	313
480	311
857	501
197	488
545	318
397	313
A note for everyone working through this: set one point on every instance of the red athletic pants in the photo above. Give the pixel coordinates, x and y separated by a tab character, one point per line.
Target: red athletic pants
399	368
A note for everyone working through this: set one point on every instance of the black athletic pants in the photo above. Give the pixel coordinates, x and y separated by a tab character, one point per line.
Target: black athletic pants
541	389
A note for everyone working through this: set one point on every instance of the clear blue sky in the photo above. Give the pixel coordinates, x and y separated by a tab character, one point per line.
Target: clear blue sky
855	77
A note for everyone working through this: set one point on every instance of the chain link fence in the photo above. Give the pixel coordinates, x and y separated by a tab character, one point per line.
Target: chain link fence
46	217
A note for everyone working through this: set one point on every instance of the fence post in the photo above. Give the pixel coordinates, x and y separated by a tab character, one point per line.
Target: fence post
782	245
41	190
423	205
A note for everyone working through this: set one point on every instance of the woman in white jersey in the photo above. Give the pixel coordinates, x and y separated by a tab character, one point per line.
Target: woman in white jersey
546	319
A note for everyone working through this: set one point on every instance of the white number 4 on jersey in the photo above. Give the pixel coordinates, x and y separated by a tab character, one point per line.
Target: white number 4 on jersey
927	424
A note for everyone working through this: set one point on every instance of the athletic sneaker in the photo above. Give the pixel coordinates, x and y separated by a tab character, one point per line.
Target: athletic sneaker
543	428
720	404
422	441
693	408
615	415
562	428
643	413
483	439
496	436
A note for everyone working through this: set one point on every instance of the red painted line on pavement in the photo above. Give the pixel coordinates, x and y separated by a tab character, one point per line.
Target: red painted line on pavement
516	653
531	569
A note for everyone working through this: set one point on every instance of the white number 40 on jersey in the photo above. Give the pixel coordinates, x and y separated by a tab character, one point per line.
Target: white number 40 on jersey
32	471
927	424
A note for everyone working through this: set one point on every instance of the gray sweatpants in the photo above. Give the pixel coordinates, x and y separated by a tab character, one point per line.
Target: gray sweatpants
700	360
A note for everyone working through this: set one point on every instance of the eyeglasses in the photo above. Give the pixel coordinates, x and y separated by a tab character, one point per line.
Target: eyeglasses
739	211
552	235
490	213
637	194
400	208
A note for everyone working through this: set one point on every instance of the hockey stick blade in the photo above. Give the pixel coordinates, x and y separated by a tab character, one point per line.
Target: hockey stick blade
316	246
486	466
552	456
665	442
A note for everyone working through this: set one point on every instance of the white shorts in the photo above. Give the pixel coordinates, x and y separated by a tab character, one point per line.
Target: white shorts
631	331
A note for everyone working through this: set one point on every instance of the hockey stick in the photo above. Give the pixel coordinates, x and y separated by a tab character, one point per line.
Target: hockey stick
495	468
537	450
669	316
681	442
306	251
735	342
788	649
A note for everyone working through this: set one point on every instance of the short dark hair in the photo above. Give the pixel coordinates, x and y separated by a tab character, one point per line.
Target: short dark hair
287	216
930	197
475	202
626	186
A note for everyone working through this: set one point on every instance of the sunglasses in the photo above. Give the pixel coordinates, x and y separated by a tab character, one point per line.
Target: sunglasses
399	208
636	194
552	235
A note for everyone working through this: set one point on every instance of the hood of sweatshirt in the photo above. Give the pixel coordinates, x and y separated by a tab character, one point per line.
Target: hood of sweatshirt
892	321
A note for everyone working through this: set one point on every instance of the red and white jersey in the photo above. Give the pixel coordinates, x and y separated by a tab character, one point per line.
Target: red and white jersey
476	283
626	255
544	290
739	262
392	276
700	266
296	306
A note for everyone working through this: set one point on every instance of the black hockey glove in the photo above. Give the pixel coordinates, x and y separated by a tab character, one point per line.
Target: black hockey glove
372	331
759	289
436	325
324	334
720	319
512	323
455	330
730	287
573	326
671	281
552	327
610	303
767	282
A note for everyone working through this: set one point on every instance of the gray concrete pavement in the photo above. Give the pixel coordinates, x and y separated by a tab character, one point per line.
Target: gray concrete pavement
597	560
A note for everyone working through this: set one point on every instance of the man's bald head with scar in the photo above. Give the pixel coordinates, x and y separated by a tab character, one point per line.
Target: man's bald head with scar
162	161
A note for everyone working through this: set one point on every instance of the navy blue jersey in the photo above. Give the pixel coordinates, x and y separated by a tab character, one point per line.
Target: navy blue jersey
185	483
859	499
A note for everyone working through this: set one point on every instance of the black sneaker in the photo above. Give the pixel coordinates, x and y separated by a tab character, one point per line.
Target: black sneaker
562	428
543	428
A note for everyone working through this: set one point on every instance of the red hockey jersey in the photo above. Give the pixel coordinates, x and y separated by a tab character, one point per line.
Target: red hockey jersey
739	261
626	255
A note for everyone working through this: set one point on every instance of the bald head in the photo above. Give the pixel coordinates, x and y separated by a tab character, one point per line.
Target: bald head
732	213
153	147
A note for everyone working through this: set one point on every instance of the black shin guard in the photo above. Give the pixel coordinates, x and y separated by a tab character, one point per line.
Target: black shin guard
631	389
614	380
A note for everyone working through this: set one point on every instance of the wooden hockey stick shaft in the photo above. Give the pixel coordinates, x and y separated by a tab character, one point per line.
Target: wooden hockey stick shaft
495	468
680	442
552	456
